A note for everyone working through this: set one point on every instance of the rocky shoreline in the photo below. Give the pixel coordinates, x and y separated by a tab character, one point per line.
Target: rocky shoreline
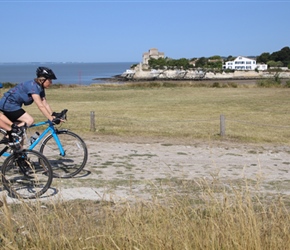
192	75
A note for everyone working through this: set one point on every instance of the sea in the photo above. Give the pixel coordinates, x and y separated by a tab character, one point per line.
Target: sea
66	73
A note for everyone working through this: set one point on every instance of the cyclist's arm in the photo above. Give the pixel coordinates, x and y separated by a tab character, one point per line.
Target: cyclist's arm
48	108
43	106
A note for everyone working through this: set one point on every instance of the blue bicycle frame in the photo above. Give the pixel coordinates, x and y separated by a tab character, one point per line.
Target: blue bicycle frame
49	130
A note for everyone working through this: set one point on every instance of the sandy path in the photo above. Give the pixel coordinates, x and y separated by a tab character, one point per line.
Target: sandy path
118	170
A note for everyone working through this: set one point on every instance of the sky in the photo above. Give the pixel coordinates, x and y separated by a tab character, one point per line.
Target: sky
121	31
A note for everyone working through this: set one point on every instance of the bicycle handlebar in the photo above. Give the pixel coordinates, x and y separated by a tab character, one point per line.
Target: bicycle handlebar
62	116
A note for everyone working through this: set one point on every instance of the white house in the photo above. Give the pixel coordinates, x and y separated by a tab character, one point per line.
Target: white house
244	63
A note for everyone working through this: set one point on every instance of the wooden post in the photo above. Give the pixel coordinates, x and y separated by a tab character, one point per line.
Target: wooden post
93	126
222	125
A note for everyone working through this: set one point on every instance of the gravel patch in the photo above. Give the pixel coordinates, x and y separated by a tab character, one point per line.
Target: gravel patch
128	170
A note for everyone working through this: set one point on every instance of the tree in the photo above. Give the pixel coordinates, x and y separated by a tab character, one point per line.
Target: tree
215	57
201	62
215	65
171	63
157	63
275	64
230	58
182	63
263	58
282	55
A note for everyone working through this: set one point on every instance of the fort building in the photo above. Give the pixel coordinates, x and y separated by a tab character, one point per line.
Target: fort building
152	53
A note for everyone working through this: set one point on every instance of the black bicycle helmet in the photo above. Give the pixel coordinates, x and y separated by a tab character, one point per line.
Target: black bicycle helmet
45	72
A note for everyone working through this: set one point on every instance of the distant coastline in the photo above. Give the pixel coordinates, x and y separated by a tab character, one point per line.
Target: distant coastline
102	73
197	75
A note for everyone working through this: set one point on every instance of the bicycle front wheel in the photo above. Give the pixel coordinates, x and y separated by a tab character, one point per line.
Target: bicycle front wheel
74	159
26	174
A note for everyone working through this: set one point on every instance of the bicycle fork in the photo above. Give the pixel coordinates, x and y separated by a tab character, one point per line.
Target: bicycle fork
59	145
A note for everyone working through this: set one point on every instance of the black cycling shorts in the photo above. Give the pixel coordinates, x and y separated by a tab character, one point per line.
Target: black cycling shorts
14	115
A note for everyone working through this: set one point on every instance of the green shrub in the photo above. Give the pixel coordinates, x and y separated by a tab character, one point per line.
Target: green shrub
8	84
216	85
287	84
233	84
270	82
170	84
267	83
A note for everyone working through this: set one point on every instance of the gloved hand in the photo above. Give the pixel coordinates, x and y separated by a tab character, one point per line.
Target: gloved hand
61	115
56	121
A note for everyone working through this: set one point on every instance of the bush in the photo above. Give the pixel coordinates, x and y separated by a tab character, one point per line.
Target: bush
225	85
8	85
216	85
287	84
267	83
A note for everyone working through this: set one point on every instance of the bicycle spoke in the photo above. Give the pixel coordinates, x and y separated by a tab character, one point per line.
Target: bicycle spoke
26	176
74	158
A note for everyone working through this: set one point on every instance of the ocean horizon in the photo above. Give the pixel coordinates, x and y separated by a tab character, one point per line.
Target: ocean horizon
82	73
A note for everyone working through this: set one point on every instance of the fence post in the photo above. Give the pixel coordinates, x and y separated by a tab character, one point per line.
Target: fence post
222	125
93	126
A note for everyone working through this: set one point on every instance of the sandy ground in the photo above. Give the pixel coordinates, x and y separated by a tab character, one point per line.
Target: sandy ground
124	170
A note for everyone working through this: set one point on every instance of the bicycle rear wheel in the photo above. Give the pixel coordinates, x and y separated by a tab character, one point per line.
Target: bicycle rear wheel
75	158
26	174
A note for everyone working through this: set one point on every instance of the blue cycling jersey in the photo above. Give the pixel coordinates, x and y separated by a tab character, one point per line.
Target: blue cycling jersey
20	95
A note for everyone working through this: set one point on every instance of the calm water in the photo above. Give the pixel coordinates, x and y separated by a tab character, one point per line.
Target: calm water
66	73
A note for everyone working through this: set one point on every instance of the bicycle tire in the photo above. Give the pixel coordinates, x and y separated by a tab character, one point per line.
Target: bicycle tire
76	154
26	174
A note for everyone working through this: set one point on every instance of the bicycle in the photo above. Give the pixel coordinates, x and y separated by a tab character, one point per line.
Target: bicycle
26	174
65	150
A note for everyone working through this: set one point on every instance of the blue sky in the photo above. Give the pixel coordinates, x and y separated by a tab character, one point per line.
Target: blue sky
121	31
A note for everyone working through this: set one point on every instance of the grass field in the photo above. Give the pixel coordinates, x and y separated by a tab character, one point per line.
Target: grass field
251	114
192	214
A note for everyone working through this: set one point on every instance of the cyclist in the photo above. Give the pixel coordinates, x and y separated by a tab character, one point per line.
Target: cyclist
26	93
14	132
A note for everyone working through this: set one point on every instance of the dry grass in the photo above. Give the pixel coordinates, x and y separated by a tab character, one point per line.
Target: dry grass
252	114
209	218
181	214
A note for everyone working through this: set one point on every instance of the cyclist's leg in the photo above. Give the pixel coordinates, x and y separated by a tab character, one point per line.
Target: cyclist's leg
20	117
11	118
25	119
5	123
12	130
